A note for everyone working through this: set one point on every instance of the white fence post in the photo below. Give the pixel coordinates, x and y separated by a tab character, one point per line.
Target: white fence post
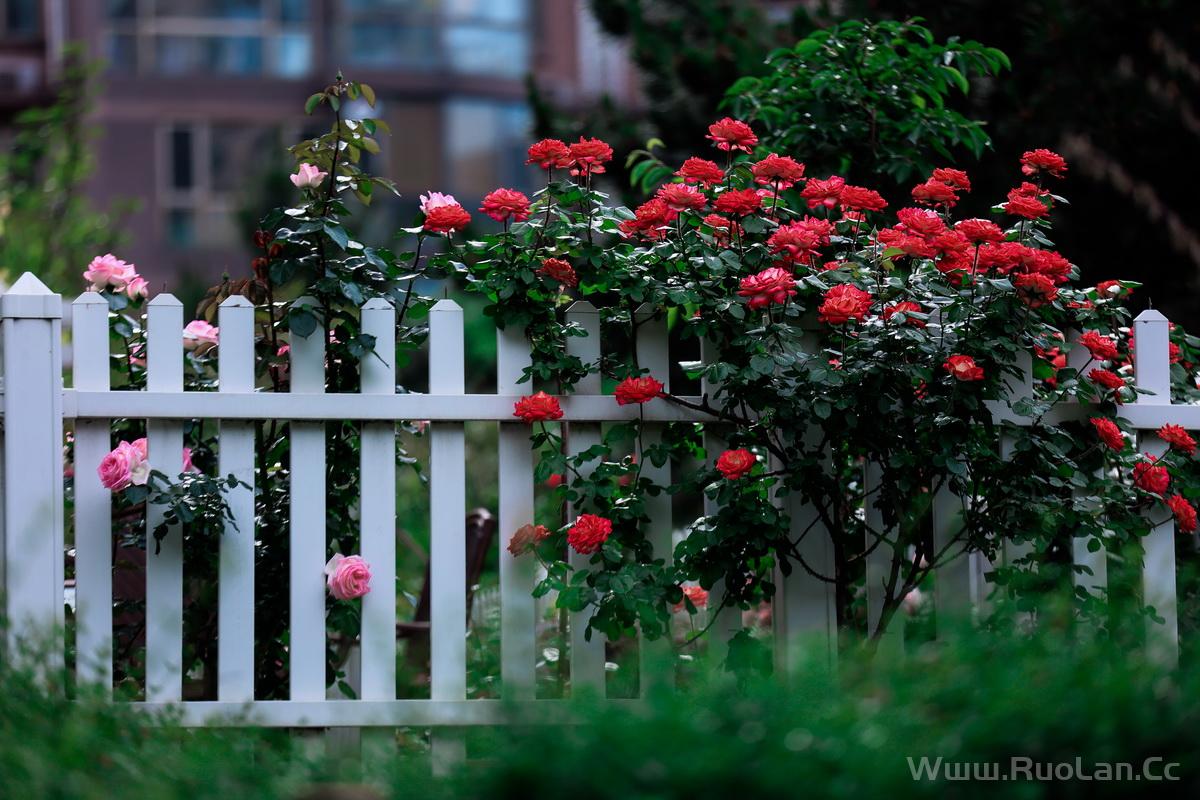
235	586
447	540
1095	561
653	353
33	441
728	621
879	565
307	545
1152	370
518	609
93	501
164	561
587	657
378	516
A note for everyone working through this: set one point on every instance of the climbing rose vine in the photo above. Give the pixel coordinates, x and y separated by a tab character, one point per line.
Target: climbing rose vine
841	334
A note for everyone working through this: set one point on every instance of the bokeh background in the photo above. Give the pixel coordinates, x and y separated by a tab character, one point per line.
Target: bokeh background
173	115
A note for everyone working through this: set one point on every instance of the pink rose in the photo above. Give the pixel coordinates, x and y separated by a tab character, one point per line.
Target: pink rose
307	177
139	461
114	471
137	287
348	577
198	335
109	272
436	200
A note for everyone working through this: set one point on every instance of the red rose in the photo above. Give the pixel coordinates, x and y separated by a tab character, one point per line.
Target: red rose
556	480
1178	438
951	242
954	178
772	285
632	391
537	408
908	308
732	134
823	193
526	538
504	204
1150	476
1185	513
549	153
1107	379
560	271
1105	289
588	533
920	222
964	368
446	219
1109	433
1101	347
795	242
697	595
1036	290
701	170
734	464
1035	161
934	193
778	169
588	156
722	229
856	198
681	197
980	230
1049	263
1027	207
738	203
649	220
843	303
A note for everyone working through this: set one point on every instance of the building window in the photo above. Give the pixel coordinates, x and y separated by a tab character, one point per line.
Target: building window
470	37
485	146
20	19
204	169
210	37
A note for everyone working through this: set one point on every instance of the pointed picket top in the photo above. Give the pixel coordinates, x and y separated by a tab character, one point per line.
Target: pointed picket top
235	301
582	307
1152	357
89	299
377	304
165	300
445	304
1150	315
644	311
29	298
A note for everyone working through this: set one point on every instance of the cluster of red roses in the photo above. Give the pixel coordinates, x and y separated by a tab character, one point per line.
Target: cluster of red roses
1150	474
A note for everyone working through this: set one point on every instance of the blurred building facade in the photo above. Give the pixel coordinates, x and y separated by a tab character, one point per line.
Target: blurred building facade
200	98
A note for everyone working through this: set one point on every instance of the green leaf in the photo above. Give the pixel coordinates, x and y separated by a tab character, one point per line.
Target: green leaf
310	105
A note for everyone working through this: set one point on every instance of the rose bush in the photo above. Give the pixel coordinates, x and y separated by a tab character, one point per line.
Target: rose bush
841	335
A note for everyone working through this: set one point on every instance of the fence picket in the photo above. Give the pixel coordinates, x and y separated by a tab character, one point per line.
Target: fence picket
879	565
653	354
33	435
378	516
1152	370
93	502
306	651
1095	580
952	582
235	587
164	560
447	550
728	621
518	609
1019	387
587	657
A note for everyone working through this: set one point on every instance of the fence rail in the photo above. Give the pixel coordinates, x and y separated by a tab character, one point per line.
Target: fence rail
35	406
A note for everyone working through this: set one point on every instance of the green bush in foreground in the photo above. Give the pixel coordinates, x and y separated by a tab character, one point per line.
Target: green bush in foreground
980	698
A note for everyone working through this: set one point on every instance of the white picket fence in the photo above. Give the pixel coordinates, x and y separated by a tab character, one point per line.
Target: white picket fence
35	405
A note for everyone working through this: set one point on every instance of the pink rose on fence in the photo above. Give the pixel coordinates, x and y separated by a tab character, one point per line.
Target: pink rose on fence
198	335
125	466
307	177
348	577
109	272
137	288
